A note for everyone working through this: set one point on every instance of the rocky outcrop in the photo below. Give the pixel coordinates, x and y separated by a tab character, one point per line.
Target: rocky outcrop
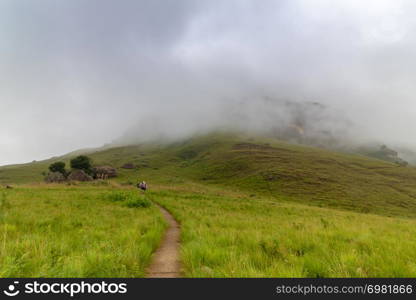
104	172
387	152
55	177
79	175
391	155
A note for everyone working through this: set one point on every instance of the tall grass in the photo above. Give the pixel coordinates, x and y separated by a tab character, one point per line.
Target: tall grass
224	236
129	199
89	231
74	232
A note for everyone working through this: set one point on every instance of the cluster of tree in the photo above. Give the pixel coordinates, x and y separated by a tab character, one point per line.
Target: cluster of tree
81	162
81	170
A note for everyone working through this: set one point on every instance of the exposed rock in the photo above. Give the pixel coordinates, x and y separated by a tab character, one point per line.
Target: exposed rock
401	162
128	166
388	152
55	177
391	155
104	172
79	175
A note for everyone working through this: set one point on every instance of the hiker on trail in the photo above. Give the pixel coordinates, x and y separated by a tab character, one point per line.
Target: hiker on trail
142	185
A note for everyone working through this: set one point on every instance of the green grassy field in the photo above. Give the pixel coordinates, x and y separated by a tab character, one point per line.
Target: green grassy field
248	206
238	236
76	231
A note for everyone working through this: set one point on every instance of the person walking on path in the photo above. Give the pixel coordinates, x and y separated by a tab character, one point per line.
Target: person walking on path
142	185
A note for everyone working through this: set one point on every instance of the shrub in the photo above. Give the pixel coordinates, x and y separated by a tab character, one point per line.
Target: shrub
82	162
59	167
131	200
134	202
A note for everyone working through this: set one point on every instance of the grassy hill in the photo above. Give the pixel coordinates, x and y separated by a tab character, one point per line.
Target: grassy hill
259	167
248	207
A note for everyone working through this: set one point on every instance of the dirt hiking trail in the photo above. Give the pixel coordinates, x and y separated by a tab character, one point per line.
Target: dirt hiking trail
165	261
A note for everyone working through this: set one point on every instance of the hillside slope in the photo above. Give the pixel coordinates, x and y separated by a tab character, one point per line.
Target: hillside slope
259	167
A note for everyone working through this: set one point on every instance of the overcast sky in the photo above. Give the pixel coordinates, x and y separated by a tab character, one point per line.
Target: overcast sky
76	74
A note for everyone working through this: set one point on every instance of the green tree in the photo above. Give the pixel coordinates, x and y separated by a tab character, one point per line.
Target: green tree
58	166
82	162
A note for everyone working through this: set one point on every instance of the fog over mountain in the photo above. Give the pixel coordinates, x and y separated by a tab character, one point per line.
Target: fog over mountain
77	74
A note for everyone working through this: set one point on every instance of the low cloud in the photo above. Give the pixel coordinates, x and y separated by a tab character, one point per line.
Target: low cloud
76	74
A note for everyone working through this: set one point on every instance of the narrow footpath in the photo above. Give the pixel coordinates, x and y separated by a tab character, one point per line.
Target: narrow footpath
165	261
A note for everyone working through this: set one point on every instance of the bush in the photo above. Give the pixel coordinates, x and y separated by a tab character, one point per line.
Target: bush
82	162
131	200
138	202
59	167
